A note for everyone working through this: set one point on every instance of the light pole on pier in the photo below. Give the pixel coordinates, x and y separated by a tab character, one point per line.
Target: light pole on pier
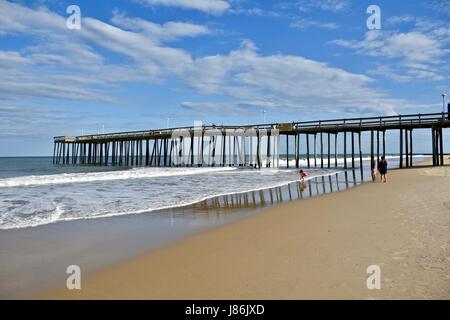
264	116
443	102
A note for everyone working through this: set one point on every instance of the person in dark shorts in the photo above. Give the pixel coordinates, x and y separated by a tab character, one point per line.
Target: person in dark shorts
382	167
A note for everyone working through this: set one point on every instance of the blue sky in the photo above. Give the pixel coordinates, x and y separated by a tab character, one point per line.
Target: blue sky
133	64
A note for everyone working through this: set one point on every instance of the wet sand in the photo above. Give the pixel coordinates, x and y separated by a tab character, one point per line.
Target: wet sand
314	248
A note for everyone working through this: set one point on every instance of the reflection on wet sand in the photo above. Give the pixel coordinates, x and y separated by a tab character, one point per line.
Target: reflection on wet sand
270	197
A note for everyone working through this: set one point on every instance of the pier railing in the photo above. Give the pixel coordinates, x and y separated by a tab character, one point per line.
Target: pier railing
425	120
370	123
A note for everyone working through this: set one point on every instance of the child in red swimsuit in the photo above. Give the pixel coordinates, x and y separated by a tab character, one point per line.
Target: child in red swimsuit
302	174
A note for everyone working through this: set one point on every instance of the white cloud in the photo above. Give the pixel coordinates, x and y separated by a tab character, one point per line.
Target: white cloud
233	108
411	46
302	24
399	19
23	121
399	75
151	57
168	31
70	62
326	5
10	59
22	77
255	11
208	6
441	6
283	82
418	54
15	18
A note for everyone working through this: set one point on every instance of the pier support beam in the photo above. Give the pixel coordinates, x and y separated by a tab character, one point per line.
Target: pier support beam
335	149
297	150
54	152
360	152
64	153
345	149
401	149
307	151
433	146
406	148
372	148
438	147
411	147
441	147
315	150
147	152
321	150
378	147
329	151
258	150
161	149
287	150
353	150
268	151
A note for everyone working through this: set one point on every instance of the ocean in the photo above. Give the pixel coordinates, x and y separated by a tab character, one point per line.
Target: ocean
34	192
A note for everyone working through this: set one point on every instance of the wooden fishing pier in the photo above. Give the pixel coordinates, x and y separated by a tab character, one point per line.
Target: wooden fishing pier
255	145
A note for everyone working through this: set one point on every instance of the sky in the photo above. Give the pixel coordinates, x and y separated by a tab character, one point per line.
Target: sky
144	64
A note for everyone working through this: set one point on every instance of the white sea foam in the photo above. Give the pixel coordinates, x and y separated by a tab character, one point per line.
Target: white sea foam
30	206
135	173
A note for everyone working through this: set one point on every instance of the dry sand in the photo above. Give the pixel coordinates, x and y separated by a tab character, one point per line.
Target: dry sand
316	248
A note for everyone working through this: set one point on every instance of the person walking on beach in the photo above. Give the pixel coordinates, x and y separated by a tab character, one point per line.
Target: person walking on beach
382	167
374	170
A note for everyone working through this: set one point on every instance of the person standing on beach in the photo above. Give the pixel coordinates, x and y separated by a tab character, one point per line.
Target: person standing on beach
302	174
374	170
382	167
303	185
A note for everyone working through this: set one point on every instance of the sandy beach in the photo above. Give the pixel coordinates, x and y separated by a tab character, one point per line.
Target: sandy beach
224	150
317	248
